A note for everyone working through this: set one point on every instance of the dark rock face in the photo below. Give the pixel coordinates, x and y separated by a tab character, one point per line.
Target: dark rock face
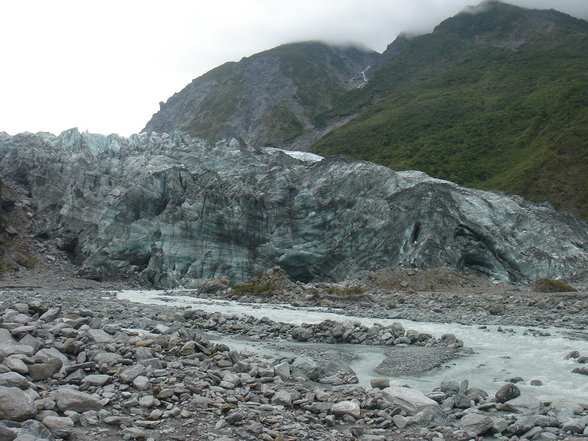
178	210
270	98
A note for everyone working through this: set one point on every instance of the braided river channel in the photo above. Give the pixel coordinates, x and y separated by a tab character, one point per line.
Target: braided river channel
498	353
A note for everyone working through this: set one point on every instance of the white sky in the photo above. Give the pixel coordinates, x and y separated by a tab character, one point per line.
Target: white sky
104	65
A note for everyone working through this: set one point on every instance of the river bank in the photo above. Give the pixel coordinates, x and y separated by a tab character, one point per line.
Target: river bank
214	368
191	385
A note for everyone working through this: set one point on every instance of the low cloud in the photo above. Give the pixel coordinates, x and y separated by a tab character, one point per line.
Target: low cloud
105	65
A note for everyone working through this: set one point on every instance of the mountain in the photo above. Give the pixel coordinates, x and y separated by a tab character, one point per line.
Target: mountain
176	211
494	98
271	98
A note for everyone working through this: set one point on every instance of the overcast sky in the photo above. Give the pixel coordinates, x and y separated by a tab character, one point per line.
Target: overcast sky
104	65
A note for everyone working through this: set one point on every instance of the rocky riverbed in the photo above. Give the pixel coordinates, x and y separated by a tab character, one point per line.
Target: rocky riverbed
81	364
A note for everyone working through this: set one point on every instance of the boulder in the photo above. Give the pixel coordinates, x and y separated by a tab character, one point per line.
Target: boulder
42	371
525	423
476	423
410	400
15	364
70	399
300	333
98	336
16	404
13	379
429	417
282	397
129	374
142	382
574	426
108	358
450	387
31	341
35	431
565	408
96	379
7	433
51	314
61	427
343	408
461	401
6	337
305	367
507	392
283	369
8	349
380	382
526	404
400	421
215	285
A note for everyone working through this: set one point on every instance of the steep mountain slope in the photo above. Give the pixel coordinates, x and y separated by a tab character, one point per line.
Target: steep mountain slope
177	211
271	98
494	98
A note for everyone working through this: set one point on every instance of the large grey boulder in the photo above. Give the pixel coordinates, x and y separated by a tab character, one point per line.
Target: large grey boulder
6	337
99	336
343	408
16	405
42	371
507	392
7	433
179	211
129	374
33	430
13	379
410	400
61	427
305	367
430	416
565	408
71	399
8	349
525	423
476	423
526	404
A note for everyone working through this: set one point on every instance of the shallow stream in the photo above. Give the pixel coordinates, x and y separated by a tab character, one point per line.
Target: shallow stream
500	353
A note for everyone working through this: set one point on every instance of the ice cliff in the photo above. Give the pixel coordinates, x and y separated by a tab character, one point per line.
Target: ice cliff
176	211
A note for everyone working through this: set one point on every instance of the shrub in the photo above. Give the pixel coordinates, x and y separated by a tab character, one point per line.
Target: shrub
550	285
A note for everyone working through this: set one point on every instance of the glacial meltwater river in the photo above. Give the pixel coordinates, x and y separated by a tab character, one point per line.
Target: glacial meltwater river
498	355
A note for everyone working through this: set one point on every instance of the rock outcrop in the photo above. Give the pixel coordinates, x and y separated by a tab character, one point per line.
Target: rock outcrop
271	98
177	211
16	249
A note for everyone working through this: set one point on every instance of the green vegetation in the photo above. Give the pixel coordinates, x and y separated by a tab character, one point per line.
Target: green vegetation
311	66
216	108
282	125
273	95
264	283
349	292
472	103
253	288
550	285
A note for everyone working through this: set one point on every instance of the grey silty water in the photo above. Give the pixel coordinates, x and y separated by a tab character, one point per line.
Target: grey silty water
500	353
